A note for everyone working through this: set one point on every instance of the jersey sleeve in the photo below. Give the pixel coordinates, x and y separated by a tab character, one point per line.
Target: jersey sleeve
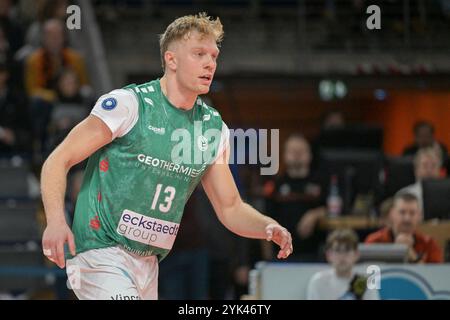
224	141
119	110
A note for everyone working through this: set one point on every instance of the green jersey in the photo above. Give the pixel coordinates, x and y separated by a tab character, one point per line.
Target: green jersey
135	188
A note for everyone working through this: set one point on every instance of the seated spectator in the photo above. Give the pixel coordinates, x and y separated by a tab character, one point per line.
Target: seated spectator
297	199
14	135
220	246
71	107
341	282
185	274
385	211
46	10
330	120
424	137
333	119
69	90
41	75
405	217
5	50
427	165
12	29
44	65
11	41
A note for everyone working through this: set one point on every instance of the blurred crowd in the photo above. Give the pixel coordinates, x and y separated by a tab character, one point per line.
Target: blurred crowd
44	85
45	91
303	197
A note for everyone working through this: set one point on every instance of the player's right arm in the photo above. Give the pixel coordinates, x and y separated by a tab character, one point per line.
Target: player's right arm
113	116
86	138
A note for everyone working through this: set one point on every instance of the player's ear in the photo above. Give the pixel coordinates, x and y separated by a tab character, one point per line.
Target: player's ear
171	61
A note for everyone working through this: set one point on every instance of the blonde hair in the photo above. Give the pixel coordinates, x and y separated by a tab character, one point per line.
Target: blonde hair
182	26
433	151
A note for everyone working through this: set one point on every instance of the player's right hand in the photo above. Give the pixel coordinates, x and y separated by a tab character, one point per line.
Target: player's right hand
282	237
53	240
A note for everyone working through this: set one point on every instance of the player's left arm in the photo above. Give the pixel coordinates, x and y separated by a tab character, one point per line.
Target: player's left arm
238	216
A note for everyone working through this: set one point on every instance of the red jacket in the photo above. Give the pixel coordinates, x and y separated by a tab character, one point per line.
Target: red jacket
425	246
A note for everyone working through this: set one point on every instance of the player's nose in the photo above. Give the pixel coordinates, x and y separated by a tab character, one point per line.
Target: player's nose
211	64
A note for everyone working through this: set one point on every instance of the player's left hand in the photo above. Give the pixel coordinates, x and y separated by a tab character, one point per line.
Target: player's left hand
282	237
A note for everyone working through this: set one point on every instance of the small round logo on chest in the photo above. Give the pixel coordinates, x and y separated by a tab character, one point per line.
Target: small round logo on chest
202	143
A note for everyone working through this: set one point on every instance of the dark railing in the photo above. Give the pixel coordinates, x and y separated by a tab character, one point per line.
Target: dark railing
318	25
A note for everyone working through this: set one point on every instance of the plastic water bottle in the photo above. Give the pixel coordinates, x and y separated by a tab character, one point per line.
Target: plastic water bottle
334	200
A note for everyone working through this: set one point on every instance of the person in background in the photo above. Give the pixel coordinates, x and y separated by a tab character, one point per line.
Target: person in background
333	119
5	51
184	274
9	24
68	88
45	64
297	199
220	247
405	217
113	262
14	134
424	138
42	69
341	282
69	108
385	211
427	165
46	10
